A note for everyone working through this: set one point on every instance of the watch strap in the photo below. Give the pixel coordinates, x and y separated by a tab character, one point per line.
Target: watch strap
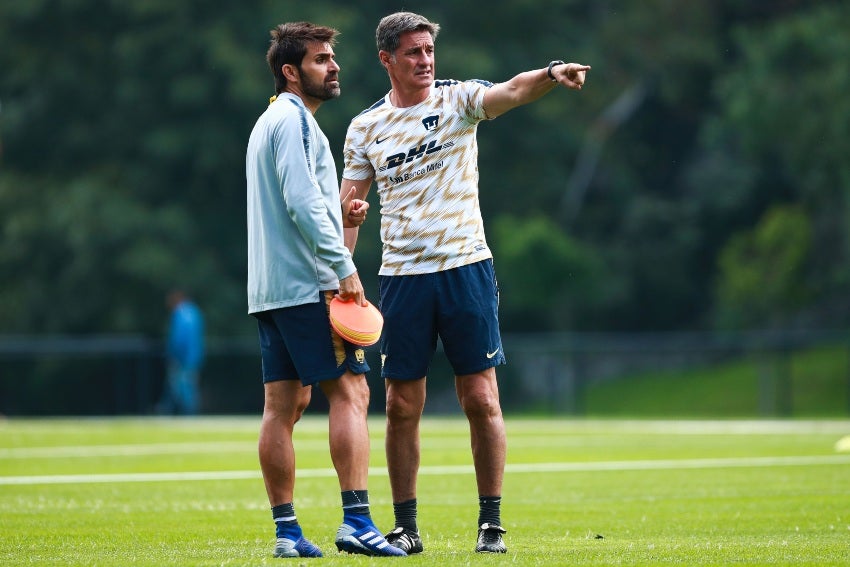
549	68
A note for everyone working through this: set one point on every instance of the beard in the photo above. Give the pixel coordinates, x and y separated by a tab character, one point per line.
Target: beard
318	90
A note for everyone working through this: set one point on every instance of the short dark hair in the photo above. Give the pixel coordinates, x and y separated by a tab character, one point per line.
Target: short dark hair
390	28
289	46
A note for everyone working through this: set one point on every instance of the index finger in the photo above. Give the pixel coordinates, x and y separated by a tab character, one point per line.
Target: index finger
349	195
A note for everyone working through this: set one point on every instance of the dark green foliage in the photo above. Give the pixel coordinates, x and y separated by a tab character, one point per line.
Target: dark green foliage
123	127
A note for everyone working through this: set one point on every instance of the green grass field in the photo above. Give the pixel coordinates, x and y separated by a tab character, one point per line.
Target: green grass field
818	387
577	492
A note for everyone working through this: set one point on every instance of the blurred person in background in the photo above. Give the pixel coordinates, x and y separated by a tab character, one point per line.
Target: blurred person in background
184	350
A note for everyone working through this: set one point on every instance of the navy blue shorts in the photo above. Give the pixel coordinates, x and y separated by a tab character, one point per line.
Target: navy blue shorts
298	343
461	306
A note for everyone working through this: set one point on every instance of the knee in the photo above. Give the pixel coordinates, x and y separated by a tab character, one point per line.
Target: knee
479	398
287	409
402	406
350	390
359	396
398	411
480	405
298	411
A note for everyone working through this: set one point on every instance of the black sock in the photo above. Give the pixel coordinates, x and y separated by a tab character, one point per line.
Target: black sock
405	515
489	510
285	521
356	502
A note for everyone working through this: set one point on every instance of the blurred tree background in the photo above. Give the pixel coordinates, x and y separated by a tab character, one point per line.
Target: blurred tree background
698	182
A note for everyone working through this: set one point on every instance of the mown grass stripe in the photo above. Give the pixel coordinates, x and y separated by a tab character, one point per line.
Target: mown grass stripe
599	466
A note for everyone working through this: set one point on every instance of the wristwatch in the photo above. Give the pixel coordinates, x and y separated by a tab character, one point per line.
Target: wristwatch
549	69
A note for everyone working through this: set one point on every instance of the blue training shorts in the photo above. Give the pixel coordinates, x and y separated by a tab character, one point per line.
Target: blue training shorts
298	343
459	305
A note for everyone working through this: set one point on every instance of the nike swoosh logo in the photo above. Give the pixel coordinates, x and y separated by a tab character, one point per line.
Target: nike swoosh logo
492	354
380	140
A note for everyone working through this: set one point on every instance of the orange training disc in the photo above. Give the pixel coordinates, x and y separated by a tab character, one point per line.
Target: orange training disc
357	324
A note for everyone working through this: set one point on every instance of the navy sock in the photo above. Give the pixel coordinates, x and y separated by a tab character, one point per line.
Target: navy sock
489	510
405	515
355	508
285	521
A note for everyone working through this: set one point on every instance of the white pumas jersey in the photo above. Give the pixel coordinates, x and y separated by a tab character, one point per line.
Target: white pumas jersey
424	160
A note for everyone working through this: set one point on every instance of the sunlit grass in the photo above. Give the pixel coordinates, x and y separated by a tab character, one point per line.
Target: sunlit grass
584	492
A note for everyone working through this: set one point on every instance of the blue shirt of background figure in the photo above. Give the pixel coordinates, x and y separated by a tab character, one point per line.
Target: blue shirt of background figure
186	336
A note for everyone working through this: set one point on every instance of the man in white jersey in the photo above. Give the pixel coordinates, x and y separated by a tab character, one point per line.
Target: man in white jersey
418	143
296	262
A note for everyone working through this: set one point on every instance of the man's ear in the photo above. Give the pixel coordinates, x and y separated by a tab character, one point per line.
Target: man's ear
385	57
290	72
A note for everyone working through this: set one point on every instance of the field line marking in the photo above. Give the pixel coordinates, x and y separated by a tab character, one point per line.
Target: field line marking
661	464
130	450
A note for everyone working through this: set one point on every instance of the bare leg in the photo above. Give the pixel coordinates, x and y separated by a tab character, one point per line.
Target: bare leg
285	401
348	431
405	402
479	397
349	440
